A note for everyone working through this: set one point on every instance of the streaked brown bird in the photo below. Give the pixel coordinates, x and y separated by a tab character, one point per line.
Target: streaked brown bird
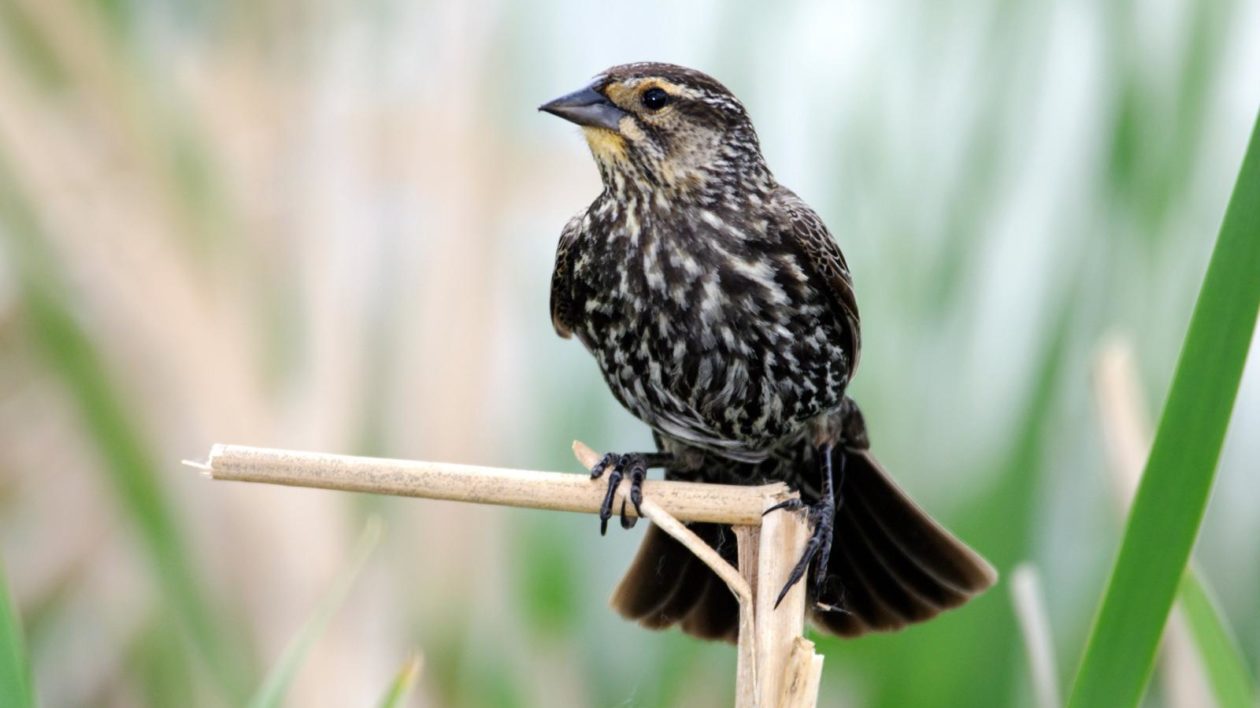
721	313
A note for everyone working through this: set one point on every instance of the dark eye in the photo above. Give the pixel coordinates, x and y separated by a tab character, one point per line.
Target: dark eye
654	99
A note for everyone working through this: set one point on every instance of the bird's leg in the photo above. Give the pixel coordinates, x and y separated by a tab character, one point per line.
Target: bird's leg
822	516
619	466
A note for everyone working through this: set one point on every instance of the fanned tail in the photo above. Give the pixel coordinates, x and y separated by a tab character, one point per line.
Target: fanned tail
891	565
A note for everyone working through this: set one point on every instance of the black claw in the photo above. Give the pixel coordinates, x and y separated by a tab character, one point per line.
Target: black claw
606	508
783	593
636	469
605	462
633	465
822	515
790	504
798	571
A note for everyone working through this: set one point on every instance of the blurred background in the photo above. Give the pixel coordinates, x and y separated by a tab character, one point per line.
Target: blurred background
331	226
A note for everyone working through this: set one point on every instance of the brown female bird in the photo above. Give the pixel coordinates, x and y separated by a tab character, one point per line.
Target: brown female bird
722	314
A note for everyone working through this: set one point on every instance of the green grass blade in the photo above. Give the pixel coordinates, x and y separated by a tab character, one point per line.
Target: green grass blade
1226	669
402	684
274	687
1121	406
1168	509
15	671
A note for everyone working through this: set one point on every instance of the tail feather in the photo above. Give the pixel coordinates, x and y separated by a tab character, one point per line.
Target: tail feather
896	565
666	584
679	602
861	524
716	611
919	536
891	565
654	576
877	595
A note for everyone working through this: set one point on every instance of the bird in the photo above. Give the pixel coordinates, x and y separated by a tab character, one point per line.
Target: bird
721	312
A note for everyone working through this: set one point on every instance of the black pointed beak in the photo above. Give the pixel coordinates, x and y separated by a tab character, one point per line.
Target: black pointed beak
586	107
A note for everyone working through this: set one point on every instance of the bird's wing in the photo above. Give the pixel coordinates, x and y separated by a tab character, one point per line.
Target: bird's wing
823	261
562	315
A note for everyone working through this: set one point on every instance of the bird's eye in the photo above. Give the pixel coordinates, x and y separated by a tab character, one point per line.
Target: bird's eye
654	99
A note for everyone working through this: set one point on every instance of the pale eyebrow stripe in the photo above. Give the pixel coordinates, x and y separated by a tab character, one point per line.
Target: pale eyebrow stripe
668	86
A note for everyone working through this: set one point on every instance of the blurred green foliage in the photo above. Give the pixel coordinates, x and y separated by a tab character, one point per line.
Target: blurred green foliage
1232	683
275	686
15	670
403	684
1164	522
126	456
1009	181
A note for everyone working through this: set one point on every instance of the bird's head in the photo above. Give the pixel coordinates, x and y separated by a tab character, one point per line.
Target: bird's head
655	127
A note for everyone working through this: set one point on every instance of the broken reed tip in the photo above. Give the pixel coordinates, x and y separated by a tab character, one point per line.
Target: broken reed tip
207	467
202	467
584	454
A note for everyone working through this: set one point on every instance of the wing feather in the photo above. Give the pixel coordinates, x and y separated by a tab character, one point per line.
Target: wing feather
823	260
562	306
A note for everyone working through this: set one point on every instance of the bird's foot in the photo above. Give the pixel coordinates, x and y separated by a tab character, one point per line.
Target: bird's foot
633	465
821	516
822	521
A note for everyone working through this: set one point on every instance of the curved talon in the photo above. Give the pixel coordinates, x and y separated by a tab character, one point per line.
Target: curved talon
605	509
633	465
636	496
790	504
635	468
608	460
627	522
822	516
798	572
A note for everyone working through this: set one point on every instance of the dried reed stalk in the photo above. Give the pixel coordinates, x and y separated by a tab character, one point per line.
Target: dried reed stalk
1127	437
776	666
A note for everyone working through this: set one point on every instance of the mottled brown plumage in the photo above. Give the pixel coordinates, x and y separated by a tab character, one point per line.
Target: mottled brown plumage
721	312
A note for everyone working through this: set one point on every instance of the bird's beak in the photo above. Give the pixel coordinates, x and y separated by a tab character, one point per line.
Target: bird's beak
588	108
